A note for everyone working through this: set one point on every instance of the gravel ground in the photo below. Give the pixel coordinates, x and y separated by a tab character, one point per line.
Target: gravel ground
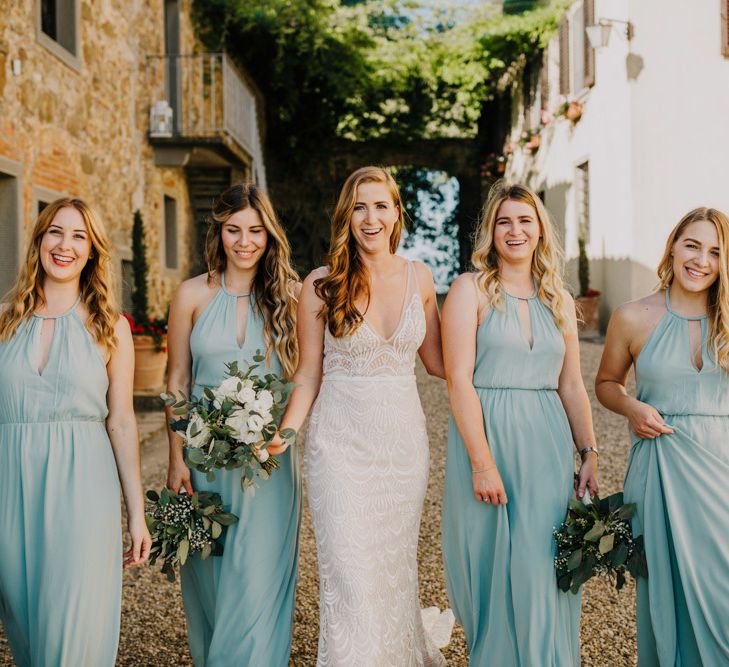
153	623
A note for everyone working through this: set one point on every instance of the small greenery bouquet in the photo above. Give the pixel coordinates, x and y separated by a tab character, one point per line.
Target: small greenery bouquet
232	425
183	525
596	538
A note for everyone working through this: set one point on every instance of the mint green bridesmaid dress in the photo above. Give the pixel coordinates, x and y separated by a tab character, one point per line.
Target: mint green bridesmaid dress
499	560
240	606
680	483
60	516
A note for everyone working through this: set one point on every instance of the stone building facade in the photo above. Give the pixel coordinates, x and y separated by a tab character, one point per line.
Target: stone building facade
77	81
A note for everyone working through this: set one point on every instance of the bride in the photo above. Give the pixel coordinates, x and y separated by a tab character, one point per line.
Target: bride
361	320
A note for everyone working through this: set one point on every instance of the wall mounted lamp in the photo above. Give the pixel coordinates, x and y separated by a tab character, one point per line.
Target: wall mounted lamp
599	34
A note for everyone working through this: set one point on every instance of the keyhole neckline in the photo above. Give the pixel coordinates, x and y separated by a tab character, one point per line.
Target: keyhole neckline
533	295
228	292
64	314
690	318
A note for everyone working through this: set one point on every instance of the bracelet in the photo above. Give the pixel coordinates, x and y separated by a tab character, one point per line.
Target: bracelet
587	450
486	469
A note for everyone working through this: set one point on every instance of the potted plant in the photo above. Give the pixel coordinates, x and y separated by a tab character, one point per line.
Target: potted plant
570	109
588	300
149	335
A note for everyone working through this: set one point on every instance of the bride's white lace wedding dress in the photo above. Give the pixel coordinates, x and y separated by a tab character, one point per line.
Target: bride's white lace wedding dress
366	464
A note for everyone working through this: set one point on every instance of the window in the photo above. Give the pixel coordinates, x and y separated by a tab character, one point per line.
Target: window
725	27
58	28
582	182
9	231
170	245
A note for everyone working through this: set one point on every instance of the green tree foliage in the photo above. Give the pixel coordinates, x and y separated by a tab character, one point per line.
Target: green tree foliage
367	69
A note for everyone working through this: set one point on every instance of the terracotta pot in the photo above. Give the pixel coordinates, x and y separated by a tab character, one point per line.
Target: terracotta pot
149	365
588	311
573	112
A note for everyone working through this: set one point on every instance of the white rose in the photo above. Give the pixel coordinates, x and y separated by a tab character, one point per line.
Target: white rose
255	423
251	437
265	399
227	389
246	395
200	430
237	421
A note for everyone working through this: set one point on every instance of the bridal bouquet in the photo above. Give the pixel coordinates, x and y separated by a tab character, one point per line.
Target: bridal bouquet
183	525
596	538
232	425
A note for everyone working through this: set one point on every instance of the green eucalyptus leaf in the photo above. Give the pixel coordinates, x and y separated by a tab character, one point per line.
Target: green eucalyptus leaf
183	550
596	532
574	560
606	543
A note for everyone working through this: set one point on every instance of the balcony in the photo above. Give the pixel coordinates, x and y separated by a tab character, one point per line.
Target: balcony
203	112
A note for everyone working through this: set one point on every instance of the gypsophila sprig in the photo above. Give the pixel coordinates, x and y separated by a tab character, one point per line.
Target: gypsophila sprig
183	526
231	426
597	539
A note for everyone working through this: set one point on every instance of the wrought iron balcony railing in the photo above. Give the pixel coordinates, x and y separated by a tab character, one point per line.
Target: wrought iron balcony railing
201	95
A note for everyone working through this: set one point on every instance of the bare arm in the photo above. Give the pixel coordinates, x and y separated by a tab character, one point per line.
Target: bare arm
179	371
121	426
572	393
308	375
617	358
460	324
431	349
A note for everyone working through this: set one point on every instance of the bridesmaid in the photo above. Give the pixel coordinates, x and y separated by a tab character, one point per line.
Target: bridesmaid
518	403
240	606
677	339
67	438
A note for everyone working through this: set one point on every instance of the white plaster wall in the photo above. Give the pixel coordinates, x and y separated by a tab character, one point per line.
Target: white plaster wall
603	137
680	119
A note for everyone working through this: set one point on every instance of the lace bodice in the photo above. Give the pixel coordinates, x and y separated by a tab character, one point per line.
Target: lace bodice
366	353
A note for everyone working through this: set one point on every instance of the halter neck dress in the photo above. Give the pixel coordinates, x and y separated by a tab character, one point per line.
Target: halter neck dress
60	517
240	606
680	482
499	560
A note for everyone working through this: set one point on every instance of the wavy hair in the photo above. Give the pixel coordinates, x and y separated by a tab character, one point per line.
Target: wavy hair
718	297
273	284
348	278
96	280
547	261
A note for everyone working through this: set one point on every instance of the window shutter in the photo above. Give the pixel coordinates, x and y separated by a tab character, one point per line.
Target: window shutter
544	80
589	51
564	57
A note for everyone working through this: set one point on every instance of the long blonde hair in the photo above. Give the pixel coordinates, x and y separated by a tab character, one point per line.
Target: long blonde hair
547	261
273	284
96	280
348	278
718	297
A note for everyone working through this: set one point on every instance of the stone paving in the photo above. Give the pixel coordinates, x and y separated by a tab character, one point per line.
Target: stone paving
153	623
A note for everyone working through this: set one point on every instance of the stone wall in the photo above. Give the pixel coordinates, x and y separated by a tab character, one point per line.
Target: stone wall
82	130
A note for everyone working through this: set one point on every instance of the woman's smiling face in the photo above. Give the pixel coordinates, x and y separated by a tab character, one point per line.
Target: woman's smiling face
65	246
